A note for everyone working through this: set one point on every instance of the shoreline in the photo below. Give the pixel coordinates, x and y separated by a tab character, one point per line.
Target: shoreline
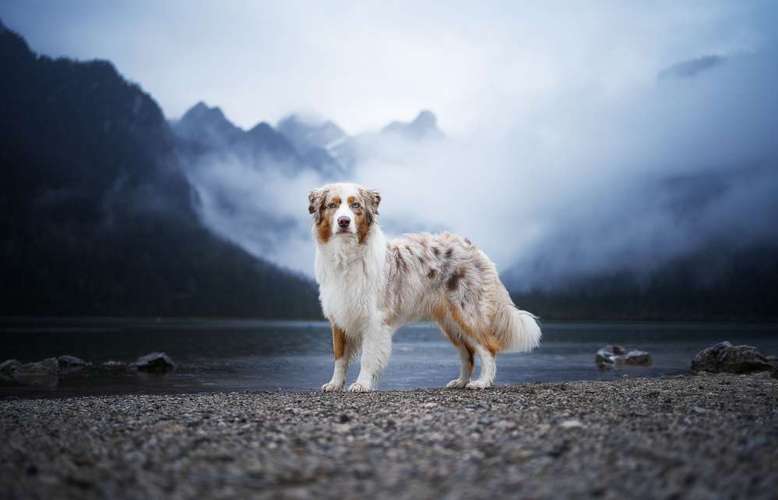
688	435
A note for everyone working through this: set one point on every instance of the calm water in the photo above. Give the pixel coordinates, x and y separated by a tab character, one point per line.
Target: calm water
260	355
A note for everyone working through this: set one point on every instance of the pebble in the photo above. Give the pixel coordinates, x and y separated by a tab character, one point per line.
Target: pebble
689	436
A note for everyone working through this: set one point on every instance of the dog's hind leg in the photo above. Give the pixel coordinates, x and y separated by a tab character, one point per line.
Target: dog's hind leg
465	369
342	350
488	369
465	356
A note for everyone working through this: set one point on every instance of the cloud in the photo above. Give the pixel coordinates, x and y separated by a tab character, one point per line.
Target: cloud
691	68
564	154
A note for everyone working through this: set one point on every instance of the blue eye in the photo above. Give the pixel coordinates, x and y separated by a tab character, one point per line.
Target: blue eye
332	205
356	205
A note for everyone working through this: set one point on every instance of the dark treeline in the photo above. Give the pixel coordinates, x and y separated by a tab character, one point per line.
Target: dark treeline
709	285
96	216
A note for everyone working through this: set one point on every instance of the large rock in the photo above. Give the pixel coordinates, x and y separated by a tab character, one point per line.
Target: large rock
8	367
724	357
44	372
155	362
68	363
639	358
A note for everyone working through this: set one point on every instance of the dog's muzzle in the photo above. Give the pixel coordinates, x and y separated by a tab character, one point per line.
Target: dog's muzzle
343	223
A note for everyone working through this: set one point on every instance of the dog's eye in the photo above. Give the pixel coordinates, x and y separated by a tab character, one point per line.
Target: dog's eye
332	205
356	205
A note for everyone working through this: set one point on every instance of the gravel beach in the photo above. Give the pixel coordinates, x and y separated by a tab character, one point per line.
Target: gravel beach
706	436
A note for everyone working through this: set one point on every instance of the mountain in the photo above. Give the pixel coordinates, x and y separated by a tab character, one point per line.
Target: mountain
316	142
96	215
423	127
305	134
263	142
207	127
204	132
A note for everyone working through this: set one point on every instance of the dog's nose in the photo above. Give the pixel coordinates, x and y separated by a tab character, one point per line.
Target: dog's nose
344	221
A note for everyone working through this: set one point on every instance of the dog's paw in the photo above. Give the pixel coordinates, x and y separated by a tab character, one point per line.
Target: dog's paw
331	387
359	387
478	384
457	383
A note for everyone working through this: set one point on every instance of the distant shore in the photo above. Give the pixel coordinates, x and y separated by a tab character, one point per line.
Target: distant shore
697	436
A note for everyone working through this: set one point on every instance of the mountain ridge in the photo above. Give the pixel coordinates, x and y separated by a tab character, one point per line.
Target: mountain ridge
96	215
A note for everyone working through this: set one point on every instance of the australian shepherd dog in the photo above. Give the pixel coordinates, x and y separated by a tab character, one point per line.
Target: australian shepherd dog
370	286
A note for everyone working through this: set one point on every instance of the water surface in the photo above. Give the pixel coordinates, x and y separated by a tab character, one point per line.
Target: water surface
228	355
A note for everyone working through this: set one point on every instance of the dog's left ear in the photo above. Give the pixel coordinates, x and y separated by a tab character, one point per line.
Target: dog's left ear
371	199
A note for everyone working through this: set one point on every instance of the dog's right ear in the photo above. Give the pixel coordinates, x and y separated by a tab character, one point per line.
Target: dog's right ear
316	203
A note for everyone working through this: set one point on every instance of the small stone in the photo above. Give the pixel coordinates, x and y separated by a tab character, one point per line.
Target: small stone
616	349
114	365
609	356
155	362
571	424
640	358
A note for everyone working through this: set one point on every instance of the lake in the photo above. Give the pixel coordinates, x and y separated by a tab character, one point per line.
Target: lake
238	355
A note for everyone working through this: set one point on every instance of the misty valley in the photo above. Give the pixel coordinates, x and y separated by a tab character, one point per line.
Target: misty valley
110	209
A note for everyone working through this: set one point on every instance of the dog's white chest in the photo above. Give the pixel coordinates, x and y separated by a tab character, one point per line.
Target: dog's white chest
349	288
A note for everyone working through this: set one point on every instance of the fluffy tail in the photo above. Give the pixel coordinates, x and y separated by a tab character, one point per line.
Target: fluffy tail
517	330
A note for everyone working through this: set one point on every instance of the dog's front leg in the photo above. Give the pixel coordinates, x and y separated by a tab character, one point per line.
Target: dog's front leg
376	349
341	350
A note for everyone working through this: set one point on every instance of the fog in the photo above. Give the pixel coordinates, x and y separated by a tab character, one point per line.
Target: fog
578	139
576	184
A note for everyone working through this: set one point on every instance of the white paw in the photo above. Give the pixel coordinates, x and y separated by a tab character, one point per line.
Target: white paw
332	386
478	384
359	387
457	383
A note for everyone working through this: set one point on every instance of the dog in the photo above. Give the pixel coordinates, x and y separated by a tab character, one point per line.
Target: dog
370	286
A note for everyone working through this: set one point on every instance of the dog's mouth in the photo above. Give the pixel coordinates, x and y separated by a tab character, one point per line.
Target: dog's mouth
343	230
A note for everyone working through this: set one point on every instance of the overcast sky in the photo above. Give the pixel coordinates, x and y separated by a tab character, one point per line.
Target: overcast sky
366	63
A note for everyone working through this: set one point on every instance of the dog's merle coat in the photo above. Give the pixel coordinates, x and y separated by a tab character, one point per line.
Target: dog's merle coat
369	287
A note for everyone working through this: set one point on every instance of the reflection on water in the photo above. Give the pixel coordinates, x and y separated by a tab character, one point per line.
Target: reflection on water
262	355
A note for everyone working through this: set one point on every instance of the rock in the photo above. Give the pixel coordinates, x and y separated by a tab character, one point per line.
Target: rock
113	365
155	362
609	356
43	372
49	366
639	358
724	357
8	367
571	424
71	363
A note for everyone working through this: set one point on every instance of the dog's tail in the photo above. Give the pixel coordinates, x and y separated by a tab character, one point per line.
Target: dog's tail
517	330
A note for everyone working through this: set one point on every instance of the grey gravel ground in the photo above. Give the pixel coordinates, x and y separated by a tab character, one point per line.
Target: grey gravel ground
709	436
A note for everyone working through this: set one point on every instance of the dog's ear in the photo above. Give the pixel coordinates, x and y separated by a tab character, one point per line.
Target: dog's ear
371	200
316	203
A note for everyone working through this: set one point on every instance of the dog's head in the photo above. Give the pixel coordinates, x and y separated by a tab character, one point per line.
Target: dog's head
343	210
